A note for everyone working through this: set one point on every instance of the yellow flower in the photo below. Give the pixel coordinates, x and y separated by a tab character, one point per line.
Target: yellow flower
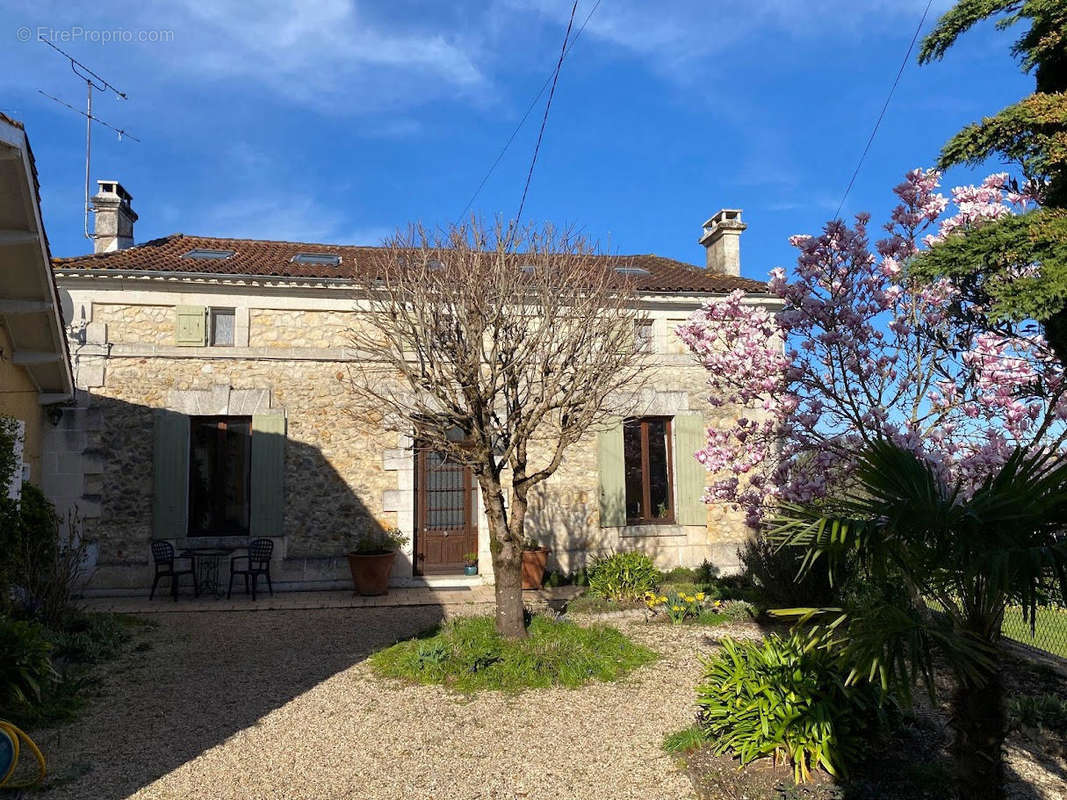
700	595
676	608
662	599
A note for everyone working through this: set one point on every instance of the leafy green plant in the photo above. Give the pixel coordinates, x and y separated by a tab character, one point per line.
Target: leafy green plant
1043	711
376	541
623	576
469	655
783	698
46	557
675	606
686	740
25	663
736	610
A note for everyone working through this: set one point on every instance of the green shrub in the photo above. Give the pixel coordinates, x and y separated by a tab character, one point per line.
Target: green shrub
25	664
773	571
1043	711
89	638
468	655
784	699
737	610
45	559
623	576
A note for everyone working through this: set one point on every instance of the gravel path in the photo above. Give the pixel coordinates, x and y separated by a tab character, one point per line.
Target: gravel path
280	704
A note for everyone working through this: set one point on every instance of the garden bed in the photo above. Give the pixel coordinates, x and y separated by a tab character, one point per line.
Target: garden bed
912	762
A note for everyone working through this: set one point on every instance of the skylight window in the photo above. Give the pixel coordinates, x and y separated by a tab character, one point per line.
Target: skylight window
324	259
204	254
632	271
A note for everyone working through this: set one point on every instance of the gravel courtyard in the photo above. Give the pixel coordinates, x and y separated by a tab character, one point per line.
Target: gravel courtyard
280	704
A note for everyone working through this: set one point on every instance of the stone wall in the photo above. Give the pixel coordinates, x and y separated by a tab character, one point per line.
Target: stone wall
136	324
275	328
335	479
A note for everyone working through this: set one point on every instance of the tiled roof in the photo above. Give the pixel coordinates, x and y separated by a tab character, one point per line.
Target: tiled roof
273	259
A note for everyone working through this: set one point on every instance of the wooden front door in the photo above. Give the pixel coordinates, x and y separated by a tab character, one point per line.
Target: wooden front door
445	529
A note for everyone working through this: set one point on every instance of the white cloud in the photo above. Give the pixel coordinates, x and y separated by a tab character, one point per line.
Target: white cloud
327	48
675	35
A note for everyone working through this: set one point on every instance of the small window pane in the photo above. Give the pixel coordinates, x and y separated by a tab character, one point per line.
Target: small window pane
222	320
635	479
642	336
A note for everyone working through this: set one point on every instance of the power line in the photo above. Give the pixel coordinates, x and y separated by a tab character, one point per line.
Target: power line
878	122
544	119
548	81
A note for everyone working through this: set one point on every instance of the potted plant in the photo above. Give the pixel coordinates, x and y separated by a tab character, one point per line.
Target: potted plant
534	562
470	563
371	562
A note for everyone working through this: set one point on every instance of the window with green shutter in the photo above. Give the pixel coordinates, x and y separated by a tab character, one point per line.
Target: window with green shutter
190	326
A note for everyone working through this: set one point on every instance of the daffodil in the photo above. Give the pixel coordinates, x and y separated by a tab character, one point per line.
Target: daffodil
700	595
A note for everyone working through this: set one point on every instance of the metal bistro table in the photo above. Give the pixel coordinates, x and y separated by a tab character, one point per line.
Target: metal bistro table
207	562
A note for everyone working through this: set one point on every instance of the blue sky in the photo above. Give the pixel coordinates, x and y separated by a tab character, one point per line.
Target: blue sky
339	120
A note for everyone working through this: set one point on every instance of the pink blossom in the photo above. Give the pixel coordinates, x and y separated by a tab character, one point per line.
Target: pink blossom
858	352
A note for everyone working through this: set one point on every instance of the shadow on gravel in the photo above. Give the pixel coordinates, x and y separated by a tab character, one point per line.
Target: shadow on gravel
200	678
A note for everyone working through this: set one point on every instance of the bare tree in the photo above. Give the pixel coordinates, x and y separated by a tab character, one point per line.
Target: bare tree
499	349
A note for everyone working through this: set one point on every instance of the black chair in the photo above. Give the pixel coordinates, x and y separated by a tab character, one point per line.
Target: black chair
163	556
256	563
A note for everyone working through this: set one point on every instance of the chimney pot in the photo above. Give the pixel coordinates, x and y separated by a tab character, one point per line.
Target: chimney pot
113	217
722	240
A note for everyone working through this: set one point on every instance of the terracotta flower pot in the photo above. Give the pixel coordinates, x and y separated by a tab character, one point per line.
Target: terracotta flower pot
370	572
533	567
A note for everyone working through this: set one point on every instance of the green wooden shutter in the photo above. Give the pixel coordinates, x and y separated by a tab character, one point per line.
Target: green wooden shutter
170	474
612	468
268	475
689	474
190	326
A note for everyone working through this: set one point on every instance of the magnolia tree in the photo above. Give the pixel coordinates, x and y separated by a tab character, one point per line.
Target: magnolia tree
860	352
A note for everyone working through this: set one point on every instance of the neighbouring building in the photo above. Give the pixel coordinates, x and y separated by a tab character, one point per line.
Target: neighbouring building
35	371
213	370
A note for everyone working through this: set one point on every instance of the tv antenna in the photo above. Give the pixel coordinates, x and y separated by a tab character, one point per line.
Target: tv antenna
92	81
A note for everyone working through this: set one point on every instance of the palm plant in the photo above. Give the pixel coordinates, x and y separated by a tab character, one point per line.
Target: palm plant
949	561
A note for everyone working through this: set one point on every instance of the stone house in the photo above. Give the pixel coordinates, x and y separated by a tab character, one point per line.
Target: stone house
35	371
214	366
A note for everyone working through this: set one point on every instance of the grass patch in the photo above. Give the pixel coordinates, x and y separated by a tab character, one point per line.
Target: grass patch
468	655
685	741
1050	632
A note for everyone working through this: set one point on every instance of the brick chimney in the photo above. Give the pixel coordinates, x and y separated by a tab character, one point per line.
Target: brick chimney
722	239
113	217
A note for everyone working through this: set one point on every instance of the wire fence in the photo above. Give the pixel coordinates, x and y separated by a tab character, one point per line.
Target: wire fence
1050	629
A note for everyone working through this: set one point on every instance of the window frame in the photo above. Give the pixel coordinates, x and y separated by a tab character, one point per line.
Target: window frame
214	311
646	483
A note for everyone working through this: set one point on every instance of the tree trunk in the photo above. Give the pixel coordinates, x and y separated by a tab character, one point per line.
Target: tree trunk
507	564
978	720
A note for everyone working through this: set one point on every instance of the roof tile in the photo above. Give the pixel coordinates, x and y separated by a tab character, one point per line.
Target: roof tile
254	257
